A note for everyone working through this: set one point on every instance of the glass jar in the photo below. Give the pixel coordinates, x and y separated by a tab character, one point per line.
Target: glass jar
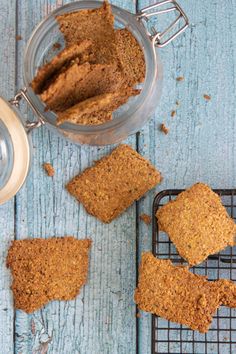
128	119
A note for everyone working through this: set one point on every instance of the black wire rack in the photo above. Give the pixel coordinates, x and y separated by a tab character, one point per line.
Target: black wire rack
172	338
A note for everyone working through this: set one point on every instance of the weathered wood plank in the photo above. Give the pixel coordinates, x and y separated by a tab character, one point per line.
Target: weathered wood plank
102	318
7	90
201	143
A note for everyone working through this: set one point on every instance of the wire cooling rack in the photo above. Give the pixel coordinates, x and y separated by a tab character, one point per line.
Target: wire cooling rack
171	338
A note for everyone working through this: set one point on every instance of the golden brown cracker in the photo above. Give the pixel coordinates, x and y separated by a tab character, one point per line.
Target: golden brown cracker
47	71
47	269
197	223
96	110
114	183
131	57
94	24
176	294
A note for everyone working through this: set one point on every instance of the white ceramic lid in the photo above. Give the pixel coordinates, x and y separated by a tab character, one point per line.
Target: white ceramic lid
14	152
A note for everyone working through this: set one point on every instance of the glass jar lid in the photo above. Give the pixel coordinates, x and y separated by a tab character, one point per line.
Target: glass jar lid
14	151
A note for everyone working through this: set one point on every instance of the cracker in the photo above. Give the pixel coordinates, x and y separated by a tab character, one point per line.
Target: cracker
79	82
94	24
197	223
47	269
96	110
176	294
131	57
114	183
47	71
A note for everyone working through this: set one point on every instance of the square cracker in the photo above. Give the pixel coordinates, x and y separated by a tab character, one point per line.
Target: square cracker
93	24
131	57
114	183
176	294
197	223
46	270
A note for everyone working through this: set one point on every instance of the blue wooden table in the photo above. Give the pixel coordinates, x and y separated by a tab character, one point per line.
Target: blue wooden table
200	146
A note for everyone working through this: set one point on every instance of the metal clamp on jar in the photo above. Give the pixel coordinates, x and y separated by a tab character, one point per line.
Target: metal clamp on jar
15	148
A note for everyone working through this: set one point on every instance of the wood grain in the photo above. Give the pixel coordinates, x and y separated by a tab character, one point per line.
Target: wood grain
200	145
102	318
7	224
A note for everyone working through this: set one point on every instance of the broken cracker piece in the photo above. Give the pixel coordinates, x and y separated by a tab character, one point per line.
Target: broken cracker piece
47	269
96	110
131	57
79	82
94	24
65	57
49	169
114	183
197	223
176	294
146	218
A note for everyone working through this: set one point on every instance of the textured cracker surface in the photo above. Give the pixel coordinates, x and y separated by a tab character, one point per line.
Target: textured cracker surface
100	106
197	223
80	82
114	183
131	57
176	294
47	269
94	24
47	71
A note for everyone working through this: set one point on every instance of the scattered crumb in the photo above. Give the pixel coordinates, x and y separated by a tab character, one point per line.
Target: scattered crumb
49	169
138	315
33	326
56	46
177	103
18	38
180	78
226	338
164	129
146	218
207	97
173	113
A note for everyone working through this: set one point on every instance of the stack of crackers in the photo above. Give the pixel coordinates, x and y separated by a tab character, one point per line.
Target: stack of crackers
95	73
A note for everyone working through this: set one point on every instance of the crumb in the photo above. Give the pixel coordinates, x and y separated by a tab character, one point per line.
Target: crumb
180	78
177	103
18	38
49	169
138	315
164	129
56	46
207	97
146	218
226	338
173	113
